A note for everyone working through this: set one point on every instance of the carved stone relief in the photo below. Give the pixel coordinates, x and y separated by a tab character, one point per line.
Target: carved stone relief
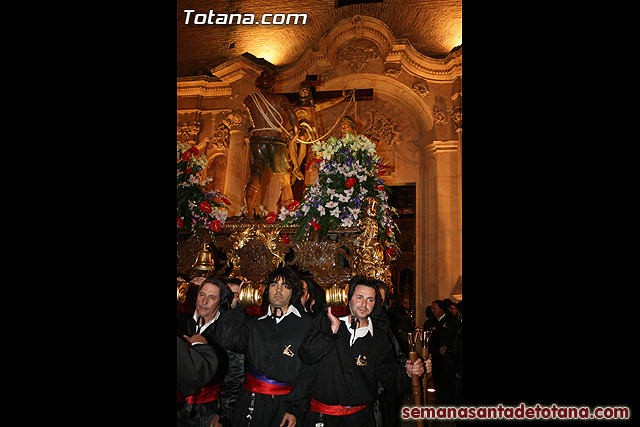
220	137
382	131
439	116
188	131
393	72
358	53
420	87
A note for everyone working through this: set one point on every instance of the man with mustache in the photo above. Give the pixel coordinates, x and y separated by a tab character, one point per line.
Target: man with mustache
213	403
275	389
351	354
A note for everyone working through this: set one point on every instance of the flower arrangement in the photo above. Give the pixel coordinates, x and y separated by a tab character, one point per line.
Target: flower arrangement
198	208
348	171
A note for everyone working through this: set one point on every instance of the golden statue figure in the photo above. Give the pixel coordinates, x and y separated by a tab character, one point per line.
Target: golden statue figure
269	149
306	109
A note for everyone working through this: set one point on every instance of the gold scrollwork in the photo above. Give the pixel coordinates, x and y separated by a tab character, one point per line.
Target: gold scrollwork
260	233
369	260
183	287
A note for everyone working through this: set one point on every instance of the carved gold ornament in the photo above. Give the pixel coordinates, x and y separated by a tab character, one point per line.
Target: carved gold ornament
269	237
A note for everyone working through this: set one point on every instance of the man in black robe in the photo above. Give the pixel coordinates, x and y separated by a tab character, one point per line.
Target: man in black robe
197	364
351	354
275	389
441	349
214	401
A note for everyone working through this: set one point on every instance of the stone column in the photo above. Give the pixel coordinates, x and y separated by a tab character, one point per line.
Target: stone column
456	114
235	178
443	246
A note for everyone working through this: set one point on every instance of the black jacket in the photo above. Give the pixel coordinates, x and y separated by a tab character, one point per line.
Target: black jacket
197	365
347	375
230	364
265	344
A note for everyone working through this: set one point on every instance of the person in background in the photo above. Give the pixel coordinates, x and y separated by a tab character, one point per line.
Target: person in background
457	358
441	350
315	301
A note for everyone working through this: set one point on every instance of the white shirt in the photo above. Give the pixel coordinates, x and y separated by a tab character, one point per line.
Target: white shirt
291	309
359	332
206	325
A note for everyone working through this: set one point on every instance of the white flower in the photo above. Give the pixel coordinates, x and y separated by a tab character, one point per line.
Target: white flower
336	212
305	208
331	204
321	210
347	222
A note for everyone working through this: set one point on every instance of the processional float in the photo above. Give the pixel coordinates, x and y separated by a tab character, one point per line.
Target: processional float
250	249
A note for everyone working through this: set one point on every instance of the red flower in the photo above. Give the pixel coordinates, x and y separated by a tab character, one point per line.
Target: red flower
390	252
186	156
188	170
205	206
316	225
314	160
180	223
285	239
350	182
293	205
216	225
271	217
380	187
226	201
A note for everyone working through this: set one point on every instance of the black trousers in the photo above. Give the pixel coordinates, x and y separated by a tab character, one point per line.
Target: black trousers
363	418
196	415
268	410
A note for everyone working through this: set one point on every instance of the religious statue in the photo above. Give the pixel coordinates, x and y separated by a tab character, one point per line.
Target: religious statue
306	109
269	149
347	124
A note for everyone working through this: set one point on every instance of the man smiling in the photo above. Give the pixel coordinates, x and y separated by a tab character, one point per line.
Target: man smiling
351	354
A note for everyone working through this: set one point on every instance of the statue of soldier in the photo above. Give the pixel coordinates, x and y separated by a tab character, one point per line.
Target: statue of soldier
269	149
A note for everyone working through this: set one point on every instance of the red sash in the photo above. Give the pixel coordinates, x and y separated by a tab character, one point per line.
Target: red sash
254	385
334	409
207	393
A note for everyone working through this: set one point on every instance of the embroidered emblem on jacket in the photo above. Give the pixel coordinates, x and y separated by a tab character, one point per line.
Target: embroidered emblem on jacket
287	351
361	360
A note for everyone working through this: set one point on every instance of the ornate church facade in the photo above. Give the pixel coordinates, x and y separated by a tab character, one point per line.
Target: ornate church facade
414	116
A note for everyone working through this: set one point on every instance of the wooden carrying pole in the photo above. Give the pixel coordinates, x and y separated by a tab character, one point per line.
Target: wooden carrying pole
415	380
424	353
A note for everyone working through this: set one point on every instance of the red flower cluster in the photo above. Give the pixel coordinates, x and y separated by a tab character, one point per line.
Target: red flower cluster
205	206
271	217
216	225
293	205
186	156
350	182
